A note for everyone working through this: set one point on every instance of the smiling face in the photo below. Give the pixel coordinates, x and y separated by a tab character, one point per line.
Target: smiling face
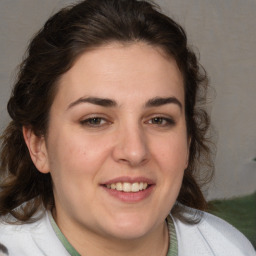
116	145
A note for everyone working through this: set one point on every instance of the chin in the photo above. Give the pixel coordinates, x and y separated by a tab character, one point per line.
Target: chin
131	228
130	233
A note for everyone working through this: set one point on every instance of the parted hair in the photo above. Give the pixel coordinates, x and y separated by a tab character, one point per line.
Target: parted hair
52	52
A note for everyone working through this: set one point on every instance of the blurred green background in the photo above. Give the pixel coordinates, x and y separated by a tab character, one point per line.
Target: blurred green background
240	212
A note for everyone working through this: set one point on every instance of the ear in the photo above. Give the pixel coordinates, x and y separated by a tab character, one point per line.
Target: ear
37	149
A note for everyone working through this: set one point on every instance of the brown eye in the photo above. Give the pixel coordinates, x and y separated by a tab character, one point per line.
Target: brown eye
94	121
161	121
157	120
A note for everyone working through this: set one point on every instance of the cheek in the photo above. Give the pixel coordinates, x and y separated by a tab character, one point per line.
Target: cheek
172	153
76	154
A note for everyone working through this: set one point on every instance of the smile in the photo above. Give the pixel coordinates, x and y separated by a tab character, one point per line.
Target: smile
128	187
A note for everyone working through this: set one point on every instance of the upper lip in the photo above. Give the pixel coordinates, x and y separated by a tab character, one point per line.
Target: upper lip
129	180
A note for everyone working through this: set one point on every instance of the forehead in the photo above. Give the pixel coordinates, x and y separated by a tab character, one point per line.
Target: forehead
116	70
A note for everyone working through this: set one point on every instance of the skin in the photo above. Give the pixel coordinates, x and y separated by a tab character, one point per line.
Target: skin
131	138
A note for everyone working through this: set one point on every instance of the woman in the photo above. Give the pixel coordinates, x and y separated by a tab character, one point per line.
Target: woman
106	140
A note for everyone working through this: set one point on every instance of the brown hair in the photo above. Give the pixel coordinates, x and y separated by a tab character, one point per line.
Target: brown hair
52	52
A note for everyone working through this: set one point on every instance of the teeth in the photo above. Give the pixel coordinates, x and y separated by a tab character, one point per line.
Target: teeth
128	187
135	187
119	186
113	186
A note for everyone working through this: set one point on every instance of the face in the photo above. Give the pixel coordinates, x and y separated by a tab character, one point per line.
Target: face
117	146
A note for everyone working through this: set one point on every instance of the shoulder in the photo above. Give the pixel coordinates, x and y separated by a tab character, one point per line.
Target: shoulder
211	236
35	238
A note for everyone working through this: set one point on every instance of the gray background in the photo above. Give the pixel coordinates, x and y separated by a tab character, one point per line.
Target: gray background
224	33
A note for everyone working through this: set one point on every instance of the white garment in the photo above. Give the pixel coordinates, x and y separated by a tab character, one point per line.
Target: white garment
35	239
211	237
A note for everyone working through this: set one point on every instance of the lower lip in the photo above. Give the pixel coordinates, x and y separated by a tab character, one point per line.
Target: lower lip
130	197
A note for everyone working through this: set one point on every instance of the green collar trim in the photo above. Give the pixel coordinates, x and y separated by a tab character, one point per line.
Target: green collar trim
72	251
173	246
172	251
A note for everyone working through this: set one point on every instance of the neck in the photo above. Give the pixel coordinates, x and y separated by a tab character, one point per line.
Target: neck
90	243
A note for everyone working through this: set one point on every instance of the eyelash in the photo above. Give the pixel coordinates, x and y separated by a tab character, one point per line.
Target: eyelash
95	122
165	122
89	121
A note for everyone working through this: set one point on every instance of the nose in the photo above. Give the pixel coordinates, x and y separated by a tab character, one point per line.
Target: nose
131	146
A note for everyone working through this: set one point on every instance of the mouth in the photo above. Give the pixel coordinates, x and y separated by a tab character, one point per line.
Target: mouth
128	187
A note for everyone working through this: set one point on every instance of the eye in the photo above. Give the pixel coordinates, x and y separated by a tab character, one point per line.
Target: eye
161	121
94	122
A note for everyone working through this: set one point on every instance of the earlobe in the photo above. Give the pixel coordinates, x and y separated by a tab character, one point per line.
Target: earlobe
37	149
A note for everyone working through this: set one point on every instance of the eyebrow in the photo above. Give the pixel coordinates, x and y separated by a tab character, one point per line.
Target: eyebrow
104	102
94	100
159	101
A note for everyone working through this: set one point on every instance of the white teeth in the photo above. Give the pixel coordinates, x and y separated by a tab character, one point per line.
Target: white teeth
135	187
128	187
119	186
